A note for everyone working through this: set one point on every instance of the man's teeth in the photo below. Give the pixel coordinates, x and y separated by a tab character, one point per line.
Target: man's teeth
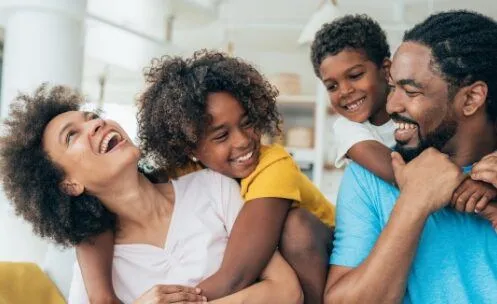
404	126
354	106
105	142
244	157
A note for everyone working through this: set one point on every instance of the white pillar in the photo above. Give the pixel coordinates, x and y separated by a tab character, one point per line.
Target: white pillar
43	43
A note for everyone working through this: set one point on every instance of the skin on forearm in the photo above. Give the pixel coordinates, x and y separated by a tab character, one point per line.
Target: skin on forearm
95	260
382	277
253	240
375	157
279	284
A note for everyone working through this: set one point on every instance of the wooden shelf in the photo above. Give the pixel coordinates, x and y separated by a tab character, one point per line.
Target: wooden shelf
305	101
302	155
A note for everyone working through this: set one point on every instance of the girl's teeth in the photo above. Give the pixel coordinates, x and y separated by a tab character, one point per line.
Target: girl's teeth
244	157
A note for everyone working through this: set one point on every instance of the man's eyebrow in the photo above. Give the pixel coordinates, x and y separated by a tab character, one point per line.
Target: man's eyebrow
410	82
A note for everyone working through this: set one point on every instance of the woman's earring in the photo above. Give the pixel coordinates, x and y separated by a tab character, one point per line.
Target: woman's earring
194	159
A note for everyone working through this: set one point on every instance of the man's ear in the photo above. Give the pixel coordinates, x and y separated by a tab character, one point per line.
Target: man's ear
474	97
71	187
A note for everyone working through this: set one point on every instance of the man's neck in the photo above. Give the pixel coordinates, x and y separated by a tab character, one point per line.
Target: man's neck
473	141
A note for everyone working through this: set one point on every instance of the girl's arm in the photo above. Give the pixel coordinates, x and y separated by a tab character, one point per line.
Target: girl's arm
95	261
252	242
373	156
279	284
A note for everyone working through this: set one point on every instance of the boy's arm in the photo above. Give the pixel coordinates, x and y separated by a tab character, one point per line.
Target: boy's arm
95	260
253	240
375	157
279	284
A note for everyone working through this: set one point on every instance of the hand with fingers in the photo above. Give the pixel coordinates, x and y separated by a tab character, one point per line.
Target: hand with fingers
478	197
430	179
486	169
473	196
165	294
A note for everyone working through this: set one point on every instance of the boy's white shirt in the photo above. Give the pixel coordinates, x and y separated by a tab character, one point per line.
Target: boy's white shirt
206	206
347	133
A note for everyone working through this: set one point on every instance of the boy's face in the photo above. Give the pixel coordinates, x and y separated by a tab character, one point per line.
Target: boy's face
230	145
357	87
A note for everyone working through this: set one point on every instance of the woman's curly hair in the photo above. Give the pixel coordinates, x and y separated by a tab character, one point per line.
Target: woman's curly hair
356	32
31	179
172	110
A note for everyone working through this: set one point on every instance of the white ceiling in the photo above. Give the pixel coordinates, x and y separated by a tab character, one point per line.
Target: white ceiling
264	32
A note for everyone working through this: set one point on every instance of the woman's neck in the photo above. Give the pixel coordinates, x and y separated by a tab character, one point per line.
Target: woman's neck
139	203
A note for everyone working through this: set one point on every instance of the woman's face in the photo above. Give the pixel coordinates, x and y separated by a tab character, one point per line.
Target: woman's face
91	151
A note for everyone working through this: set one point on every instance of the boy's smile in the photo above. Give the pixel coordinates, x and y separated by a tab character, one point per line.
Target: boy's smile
356	86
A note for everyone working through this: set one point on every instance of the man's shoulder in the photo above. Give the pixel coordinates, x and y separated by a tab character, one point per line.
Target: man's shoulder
358	180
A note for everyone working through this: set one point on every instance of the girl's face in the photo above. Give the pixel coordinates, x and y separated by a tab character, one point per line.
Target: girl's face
229	145
356	86
91	151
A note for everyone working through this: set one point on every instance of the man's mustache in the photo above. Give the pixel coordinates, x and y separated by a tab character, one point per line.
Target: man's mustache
397	118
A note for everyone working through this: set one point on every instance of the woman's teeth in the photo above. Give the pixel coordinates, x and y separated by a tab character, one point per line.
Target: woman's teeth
105	142
244	157
404	126
354	106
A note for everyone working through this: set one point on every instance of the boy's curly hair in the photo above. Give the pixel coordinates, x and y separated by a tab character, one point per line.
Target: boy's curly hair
355	32
172	111
31	179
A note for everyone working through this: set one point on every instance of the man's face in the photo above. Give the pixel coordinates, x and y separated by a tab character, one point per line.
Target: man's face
419	102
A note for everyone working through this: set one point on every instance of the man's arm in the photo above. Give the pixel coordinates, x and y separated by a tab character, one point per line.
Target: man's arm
252	242
381	277
279	284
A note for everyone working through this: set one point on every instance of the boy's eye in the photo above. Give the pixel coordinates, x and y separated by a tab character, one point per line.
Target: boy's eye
332	87
356	75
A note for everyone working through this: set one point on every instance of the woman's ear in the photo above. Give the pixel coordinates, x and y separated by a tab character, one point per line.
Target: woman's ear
474	97
71	187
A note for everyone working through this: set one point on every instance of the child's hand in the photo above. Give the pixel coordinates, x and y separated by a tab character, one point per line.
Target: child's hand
486	169
160	294
490	213
473	196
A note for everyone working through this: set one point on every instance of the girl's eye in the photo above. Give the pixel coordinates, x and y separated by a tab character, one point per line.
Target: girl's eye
221	137
69	137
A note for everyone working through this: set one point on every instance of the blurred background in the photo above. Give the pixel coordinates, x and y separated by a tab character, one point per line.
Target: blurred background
102	47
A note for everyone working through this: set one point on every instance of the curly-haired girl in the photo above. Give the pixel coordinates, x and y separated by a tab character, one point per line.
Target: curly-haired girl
212	109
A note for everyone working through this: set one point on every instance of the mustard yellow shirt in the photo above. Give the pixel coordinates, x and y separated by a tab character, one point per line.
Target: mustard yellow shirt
277	175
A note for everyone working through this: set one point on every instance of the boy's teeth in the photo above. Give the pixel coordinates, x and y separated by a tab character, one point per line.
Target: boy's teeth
355	105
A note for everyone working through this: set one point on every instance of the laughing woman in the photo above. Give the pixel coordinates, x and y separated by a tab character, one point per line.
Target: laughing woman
74	175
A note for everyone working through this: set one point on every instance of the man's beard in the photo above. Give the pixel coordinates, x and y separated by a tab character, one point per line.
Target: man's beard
436	139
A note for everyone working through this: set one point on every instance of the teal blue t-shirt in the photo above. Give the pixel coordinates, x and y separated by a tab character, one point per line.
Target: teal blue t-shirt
456	260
